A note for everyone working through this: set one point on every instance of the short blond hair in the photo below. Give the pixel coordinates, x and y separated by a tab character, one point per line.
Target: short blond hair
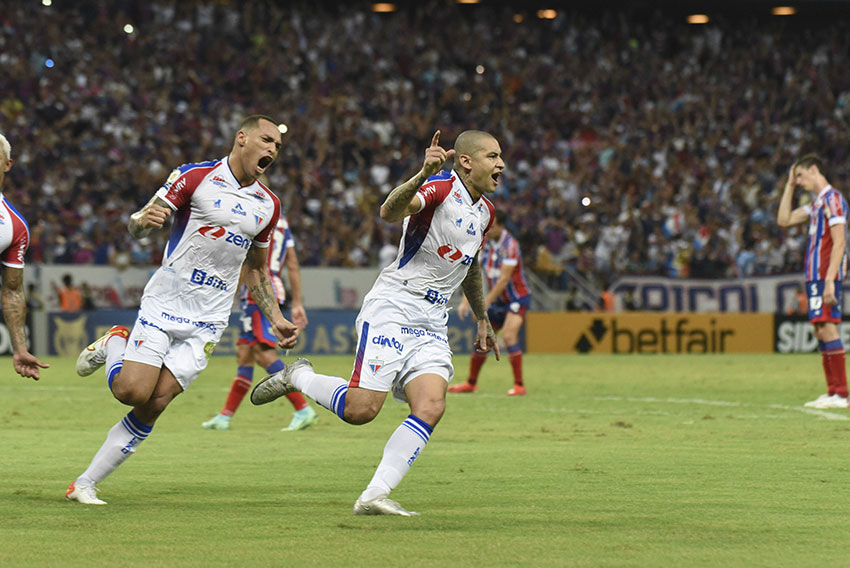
5	147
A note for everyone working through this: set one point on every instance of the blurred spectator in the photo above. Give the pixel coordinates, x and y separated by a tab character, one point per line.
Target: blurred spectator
70	297
674	174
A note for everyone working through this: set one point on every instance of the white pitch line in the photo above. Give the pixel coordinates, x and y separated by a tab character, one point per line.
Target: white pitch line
702	401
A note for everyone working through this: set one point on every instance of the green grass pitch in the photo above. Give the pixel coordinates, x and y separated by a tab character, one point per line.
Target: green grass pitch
609	461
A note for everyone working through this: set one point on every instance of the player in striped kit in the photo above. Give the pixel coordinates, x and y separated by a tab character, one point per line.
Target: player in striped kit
507	301
826	264
14	240
403	345
256	341
223	222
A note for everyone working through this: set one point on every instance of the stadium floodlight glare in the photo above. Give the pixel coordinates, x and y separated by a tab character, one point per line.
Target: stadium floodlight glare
383	7
128	29
47	2
547	14
49	63
519	18
784	11
468	1
282	128
479	69
698	19
585	201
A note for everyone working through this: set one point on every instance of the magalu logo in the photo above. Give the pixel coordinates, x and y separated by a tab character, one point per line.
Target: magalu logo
375	364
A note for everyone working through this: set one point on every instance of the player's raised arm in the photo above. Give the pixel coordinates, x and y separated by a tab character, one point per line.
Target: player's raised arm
151	216
785	216
403	201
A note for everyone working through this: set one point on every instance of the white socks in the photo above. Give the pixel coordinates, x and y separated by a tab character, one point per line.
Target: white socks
402	449
120	444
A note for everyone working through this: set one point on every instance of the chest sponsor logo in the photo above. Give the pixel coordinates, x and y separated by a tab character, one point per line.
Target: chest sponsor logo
201	278
470	230
457	196
453	254
215	233
238	210
219	181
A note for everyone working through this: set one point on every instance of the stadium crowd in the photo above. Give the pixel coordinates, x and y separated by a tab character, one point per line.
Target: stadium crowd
634	143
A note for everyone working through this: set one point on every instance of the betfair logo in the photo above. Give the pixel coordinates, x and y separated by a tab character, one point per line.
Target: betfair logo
669	335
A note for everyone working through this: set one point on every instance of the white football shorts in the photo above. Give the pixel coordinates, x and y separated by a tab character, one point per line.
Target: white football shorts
161	336
393	348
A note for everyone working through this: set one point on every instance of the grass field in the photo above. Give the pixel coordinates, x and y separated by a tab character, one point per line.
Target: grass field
609	461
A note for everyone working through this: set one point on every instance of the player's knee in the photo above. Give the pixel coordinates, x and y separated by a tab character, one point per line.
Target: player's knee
361	415
127	394
430	411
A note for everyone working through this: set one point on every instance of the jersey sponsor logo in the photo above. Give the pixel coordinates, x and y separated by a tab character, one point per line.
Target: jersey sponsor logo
219	181
238	210
201	278
457	196
180	184
2	219
375	364
470	230
384	341
260	196
436	297
217	203
453	254
459	222
215	233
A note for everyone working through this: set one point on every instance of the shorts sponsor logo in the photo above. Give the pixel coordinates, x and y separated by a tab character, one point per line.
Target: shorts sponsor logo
384	341
180	319
209	346
419	332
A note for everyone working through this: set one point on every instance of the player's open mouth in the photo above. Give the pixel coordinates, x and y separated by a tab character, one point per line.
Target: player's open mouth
495	177
264	162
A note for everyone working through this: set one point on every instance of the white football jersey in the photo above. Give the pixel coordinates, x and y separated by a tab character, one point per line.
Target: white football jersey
215	222
438	244
14	235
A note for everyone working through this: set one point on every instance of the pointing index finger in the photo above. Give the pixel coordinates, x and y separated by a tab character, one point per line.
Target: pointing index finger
435	141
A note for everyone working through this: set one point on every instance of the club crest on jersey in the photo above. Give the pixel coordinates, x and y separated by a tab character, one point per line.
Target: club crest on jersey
238	210
471	229
219	181
375	364
138	342
457	196
259	217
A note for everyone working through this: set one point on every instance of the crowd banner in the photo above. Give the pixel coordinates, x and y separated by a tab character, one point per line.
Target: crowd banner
330	332
763	294
648	333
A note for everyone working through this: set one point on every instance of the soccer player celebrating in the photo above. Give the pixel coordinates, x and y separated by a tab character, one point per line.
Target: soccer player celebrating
826	263
506	302
14	240
257	342
402	345
224	219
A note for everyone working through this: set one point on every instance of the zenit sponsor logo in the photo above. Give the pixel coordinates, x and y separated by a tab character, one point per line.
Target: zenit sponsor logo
215	233
676	335
453	254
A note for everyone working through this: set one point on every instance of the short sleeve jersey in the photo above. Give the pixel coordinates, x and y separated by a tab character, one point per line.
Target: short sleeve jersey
827	210
14	235
438	244
215	222
504	252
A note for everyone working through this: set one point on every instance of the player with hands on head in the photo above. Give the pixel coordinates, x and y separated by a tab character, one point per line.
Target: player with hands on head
14	240
402	336
507	301
223	222
825	267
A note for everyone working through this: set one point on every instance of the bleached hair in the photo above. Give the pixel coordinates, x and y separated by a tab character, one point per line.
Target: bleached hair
5	147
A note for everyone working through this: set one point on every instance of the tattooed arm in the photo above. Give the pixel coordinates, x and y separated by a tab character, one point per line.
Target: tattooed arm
151	216
15	312
486	339
256	277
403	201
